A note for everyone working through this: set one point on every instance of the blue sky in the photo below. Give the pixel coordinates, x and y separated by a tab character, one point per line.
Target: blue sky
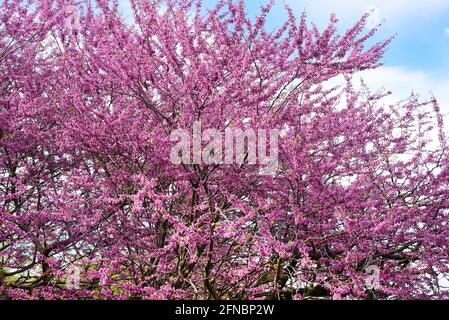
418	59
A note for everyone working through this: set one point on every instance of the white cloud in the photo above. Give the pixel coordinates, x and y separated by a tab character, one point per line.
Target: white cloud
394	12
403	81
446	31
374	18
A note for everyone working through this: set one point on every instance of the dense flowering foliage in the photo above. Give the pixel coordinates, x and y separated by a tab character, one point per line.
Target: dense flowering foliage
88	102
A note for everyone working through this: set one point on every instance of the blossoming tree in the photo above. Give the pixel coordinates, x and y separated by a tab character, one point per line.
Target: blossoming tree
87	104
